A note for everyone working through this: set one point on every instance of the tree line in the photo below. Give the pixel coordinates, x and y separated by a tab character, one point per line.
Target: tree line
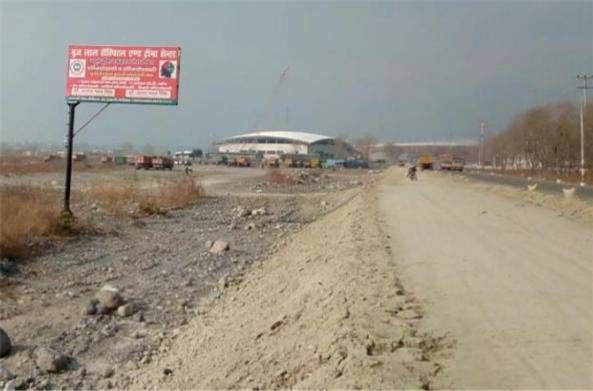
544	138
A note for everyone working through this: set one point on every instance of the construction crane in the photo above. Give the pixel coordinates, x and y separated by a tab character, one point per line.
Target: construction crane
273	96
268	107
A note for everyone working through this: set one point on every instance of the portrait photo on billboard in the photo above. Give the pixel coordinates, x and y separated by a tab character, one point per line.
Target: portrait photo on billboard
168	69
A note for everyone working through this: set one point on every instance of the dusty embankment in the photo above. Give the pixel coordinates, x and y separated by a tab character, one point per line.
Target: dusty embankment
326	311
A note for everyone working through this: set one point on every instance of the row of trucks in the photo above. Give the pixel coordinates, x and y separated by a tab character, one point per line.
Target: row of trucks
446	162
300	161
249	160
146	162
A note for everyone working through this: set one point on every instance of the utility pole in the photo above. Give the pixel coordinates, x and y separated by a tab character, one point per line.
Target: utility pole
69	147
584	87
481	146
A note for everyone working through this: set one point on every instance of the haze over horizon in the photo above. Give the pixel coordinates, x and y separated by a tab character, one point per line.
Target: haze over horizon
399	71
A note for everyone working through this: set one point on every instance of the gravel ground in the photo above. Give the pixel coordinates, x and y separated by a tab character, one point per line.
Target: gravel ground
327	311
163	269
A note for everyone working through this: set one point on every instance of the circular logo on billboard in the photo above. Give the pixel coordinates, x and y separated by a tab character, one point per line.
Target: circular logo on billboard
77	68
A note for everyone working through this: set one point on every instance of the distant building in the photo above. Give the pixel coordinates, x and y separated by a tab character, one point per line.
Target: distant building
285	142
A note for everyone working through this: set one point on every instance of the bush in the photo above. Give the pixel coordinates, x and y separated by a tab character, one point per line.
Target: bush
26	214
153	198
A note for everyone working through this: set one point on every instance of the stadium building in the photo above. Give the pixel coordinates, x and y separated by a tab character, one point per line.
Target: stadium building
285	142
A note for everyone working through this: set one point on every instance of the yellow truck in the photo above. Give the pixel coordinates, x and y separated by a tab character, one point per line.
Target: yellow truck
240	161
271	161
301	161
426	162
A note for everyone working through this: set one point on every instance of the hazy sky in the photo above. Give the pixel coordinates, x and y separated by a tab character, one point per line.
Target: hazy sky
400	71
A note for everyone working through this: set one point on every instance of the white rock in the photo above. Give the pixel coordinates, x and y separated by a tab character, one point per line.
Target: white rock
568	192
126	310
5	374
219	247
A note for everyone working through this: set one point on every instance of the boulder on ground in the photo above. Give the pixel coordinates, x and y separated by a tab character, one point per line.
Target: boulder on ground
50	360
126	310
109	297
101	369
241	212
5	344
5	374
91	307
223	283
259	212
568	193
219	247
7	267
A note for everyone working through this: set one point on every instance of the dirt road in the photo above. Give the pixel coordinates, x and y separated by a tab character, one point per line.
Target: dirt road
511	282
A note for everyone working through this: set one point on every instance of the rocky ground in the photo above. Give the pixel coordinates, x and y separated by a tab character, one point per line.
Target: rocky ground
92	311
326	311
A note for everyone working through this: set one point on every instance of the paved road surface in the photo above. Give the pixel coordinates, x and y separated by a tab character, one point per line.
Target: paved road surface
512	284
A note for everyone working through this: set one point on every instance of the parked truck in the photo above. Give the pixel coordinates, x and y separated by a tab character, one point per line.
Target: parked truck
78	157
143	162
426	162
162	163
451	163
457	164
356	163
445	162
270	161
240	161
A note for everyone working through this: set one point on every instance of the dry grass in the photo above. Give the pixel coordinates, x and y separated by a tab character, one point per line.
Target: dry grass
178	193
169	194
26	214
29	214
21	165
30	167
113	197
134	197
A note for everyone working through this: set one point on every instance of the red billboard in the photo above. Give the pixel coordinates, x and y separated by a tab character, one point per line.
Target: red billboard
123	74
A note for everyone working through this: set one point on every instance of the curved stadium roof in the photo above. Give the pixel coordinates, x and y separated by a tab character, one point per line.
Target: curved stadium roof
301	137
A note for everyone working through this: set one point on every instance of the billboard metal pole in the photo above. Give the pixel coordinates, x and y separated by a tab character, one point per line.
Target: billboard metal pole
70	139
